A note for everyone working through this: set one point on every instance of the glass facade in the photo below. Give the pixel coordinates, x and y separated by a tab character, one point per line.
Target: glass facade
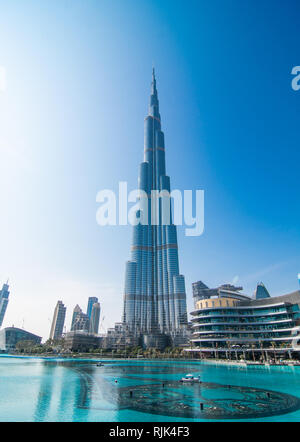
4	295
261	292
80	321
9	337
95	318
154	298
58	321
91	302
224	324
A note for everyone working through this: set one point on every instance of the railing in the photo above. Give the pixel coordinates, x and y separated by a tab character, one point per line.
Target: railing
237	315
240	349
243	331
239	323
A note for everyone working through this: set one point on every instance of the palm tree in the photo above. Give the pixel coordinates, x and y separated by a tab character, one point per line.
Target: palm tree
229	347
273	347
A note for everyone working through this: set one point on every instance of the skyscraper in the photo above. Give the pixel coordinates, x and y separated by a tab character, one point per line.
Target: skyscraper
4	295
95	318
91	302
154	298
80	320
77	311
58	321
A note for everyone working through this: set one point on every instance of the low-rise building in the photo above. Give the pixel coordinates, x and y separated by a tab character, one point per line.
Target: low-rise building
232	325
10	336
81	341
119	337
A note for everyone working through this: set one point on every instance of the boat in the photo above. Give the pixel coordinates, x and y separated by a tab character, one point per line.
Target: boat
189	378
100	364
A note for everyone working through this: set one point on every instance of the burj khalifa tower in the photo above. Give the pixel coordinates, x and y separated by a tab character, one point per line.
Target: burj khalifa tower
154	296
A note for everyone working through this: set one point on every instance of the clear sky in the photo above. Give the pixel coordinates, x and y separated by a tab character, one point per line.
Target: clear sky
78	78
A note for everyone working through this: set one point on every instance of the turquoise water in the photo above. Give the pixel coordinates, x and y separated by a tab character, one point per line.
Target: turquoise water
66	390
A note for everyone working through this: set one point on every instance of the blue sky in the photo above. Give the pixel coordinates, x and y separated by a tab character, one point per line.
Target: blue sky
71	124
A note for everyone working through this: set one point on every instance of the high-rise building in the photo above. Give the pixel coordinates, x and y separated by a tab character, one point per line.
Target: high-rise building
80	320
91	302
82	323
77	310
154	298
58	321
4	295
95	318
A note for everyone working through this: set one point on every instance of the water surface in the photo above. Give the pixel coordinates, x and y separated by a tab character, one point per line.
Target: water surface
43	390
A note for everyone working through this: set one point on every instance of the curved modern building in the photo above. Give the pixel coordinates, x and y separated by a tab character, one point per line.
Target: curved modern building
10	336
95	318
92	300
58	321
154	298
232	325
4	298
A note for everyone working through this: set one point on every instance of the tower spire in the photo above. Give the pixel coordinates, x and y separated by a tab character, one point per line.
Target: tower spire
154	103
153	84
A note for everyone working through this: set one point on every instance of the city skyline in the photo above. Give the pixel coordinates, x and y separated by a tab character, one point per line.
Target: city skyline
71	126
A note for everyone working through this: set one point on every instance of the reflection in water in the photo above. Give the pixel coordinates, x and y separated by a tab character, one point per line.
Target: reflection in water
47	377
69	389
80	391
147	393
59	393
